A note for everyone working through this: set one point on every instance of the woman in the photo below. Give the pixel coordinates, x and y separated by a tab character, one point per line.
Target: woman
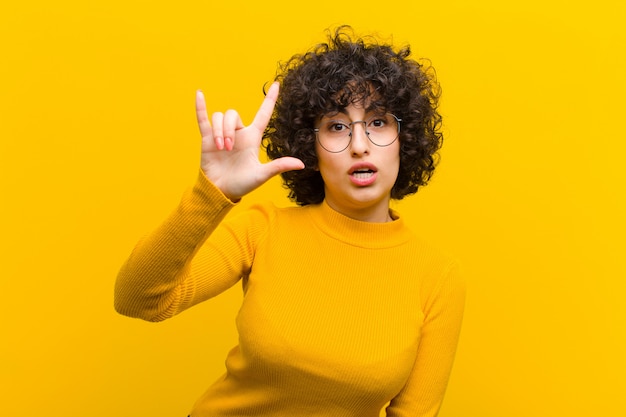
345	309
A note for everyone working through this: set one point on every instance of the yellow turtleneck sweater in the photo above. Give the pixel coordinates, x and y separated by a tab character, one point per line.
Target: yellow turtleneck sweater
339	316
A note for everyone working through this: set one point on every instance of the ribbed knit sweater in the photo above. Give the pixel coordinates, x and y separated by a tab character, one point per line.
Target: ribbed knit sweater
339	317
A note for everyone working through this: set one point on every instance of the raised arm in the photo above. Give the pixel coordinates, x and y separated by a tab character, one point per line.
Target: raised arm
173	268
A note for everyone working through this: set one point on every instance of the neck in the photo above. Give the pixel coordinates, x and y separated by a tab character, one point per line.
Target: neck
376	214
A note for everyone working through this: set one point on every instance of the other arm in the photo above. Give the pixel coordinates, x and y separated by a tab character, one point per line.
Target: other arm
443	308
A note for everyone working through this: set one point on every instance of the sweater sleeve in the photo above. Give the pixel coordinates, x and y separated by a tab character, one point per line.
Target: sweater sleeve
443	309
186	260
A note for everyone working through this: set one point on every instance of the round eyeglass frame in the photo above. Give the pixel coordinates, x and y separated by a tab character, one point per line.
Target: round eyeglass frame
398	120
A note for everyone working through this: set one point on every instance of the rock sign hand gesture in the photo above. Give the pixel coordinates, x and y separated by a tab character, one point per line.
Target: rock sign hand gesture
230	150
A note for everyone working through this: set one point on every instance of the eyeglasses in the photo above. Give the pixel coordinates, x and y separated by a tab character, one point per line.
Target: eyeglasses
335	135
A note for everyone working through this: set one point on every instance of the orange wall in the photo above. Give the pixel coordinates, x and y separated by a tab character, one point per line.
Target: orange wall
98	141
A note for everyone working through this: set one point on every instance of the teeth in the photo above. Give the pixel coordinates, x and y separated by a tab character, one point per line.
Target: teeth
363	174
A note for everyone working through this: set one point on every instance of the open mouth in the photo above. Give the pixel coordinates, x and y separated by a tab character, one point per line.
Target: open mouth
363	173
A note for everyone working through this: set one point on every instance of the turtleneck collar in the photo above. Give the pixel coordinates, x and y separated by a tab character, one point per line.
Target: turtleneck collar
359	233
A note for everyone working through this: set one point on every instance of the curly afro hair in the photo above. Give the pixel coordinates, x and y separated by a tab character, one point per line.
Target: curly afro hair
344	71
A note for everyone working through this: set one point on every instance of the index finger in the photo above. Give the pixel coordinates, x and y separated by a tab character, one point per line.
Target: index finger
264	114
201	115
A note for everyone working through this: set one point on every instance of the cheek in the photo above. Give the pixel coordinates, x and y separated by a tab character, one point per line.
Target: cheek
393	157
328	170
394	161
327	163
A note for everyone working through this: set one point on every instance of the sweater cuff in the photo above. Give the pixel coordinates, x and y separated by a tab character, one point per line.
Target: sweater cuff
202	207
207	193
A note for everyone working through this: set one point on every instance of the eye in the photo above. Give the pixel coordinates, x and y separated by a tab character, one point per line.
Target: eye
378	122
337	127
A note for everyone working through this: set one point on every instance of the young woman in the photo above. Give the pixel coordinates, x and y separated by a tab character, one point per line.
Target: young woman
346	310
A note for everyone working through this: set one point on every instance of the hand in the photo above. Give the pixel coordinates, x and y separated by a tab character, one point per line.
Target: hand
230	150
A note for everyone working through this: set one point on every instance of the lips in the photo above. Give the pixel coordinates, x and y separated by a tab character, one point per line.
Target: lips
363	173
362	167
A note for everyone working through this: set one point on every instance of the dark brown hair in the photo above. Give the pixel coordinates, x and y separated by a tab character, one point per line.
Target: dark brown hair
344	71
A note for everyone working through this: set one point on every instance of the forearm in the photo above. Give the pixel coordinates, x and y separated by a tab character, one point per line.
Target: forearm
152	282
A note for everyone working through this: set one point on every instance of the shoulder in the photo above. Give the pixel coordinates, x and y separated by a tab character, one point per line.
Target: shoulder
440	272
443	279
265	214
428	252
272	212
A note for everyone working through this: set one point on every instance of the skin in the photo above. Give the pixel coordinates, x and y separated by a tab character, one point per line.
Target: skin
368	199
230	150
230	160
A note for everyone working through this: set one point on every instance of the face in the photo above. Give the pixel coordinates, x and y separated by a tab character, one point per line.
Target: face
358	180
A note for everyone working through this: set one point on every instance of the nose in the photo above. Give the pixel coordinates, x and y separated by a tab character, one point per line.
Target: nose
360	143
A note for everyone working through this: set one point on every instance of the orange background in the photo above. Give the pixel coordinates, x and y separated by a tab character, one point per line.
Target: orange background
98	141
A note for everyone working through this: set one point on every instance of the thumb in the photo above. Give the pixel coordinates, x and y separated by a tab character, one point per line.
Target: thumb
280	165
